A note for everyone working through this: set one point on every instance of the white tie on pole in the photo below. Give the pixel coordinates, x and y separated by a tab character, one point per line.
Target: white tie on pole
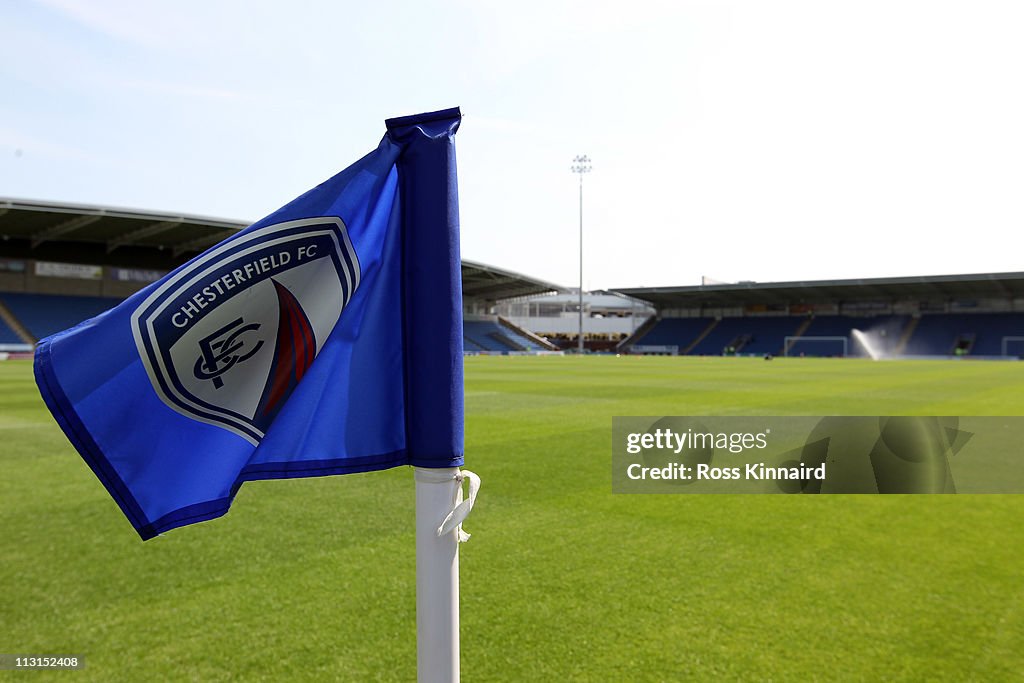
440	510
462	507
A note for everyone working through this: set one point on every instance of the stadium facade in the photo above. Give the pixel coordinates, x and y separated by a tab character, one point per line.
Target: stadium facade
63	263
977	316
608	317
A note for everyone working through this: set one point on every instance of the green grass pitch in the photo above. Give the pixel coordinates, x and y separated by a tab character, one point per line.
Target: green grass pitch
314	579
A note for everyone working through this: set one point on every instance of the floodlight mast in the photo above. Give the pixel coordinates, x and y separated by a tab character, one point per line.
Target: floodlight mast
581	165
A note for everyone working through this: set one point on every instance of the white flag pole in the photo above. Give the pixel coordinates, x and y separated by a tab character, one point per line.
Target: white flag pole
439	514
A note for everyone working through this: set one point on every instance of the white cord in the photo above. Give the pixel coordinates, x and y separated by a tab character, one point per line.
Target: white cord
462	507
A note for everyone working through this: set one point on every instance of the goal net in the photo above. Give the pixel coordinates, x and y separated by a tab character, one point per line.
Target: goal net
816	346
1013	346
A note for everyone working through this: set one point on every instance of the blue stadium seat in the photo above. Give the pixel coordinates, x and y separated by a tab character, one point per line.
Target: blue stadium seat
937	334
488	335
7	335
520	339
674	332
886	331
45	314
766	335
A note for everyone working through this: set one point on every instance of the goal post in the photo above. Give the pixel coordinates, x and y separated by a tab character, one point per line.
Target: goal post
789	342
1009	340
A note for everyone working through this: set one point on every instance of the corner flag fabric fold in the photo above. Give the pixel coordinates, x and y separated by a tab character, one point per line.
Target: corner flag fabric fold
324	339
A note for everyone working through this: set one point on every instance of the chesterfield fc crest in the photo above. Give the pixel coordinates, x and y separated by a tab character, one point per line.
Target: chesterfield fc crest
228	338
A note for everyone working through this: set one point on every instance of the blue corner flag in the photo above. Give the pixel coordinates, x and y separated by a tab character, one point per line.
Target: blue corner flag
324	339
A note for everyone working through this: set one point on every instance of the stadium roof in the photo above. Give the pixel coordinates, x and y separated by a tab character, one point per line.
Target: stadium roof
33	225
921	288
40	222
488	283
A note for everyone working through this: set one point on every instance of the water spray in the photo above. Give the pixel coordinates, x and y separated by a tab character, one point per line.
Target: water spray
870	342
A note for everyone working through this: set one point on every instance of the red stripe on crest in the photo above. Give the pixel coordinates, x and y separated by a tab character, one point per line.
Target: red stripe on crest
296	346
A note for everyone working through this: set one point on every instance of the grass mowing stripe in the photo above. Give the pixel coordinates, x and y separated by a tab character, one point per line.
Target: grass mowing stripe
313	579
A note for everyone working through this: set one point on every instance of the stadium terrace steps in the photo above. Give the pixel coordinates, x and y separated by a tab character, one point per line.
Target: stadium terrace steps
488	335
929	335
766	335
799	333
707	330
739	342
673	332
937	334
518	341
11	329
908	332
884	330
507	341
638	333
8	335
24	318
528	339
45	314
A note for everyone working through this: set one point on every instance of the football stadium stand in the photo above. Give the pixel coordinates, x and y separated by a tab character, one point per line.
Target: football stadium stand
529	342
678	332
747	336
499	336
976	334
7	335
61	264
45	314
885	331
607	318
976	316
815	336
488	337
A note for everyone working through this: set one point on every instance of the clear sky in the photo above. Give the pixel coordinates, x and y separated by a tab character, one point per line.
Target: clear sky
761	140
